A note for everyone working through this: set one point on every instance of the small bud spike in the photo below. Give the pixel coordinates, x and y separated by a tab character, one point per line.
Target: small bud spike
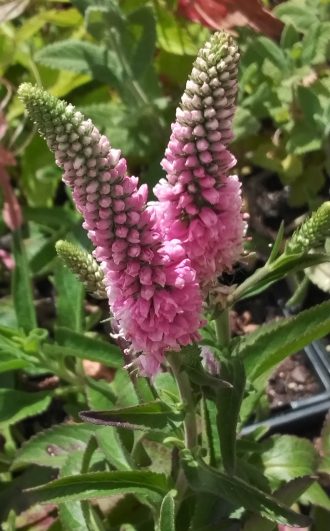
84	266
312	233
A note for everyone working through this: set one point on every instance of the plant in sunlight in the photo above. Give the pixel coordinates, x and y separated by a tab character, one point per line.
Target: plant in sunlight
167	425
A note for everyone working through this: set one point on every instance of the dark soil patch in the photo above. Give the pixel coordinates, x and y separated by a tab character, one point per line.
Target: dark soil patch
293	380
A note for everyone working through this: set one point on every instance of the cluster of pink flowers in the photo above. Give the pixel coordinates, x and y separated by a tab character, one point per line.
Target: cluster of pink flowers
155	257
152	288
198	202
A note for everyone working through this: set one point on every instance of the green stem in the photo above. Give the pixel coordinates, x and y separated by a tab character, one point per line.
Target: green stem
182	380
299	294
257	276
222	328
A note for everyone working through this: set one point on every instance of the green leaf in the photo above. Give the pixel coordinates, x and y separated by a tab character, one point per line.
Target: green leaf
298	14
151	415
277	244
144	49
99	394
40	177
277	270
9	362
289	36
245	123
90	348
286	457
177	36
167	513
18	405
70	297
82	57
228	406
288	494
324	466
316	496
113	448
315	45
203	478
272	343
71	514
21	286
53	217
52	447
102	484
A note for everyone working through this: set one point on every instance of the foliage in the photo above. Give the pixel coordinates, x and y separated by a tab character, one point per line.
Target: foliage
75	425
282	123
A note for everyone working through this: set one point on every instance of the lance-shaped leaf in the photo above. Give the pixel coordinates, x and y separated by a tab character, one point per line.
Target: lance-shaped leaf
289	493
203	478
273	342
167	513
102	484
152	415
52	447
18	405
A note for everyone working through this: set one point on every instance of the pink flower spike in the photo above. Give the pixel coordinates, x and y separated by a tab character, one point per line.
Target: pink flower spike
153	292
203	192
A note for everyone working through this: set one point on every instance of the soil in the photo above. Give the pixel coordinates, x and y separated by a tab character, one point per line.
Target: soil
294	379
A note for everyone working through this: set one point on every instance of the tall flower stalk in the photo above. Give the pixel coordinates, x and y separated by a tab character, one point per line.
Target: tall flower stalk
151	286
199	203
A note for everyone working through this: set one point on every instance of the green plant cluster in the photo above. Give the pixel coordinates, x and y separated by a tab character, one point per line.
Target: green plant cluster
282	122
115	451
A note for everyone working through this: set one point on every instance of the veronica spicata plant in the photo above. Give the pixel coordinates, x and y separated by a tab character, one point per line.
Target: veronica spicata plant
157	263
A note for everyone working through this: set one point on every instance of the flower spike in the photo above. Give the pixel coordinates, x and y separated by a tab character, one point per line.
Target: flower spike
198	202
151	286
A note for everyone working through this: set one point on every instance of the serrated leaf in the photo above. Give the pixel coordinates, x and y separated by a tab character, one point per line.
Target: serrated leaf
203	478
82	57
272	343
18	405
90	348
167	513
286	457
228	408
52	447
102	484
151	415
288	493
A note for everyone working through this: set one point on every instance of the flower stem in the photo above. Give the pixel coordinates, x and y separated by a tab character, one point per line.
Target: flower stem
182	380
222	328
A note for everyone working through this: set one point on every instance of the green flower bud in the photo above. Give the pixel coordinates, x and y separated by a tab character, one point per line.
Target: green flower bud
312	233
84	266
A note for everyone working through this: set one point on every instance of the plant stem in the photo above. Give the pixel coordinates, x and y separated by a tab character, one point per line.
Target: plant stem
222	328
182	380
299	294
258	275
